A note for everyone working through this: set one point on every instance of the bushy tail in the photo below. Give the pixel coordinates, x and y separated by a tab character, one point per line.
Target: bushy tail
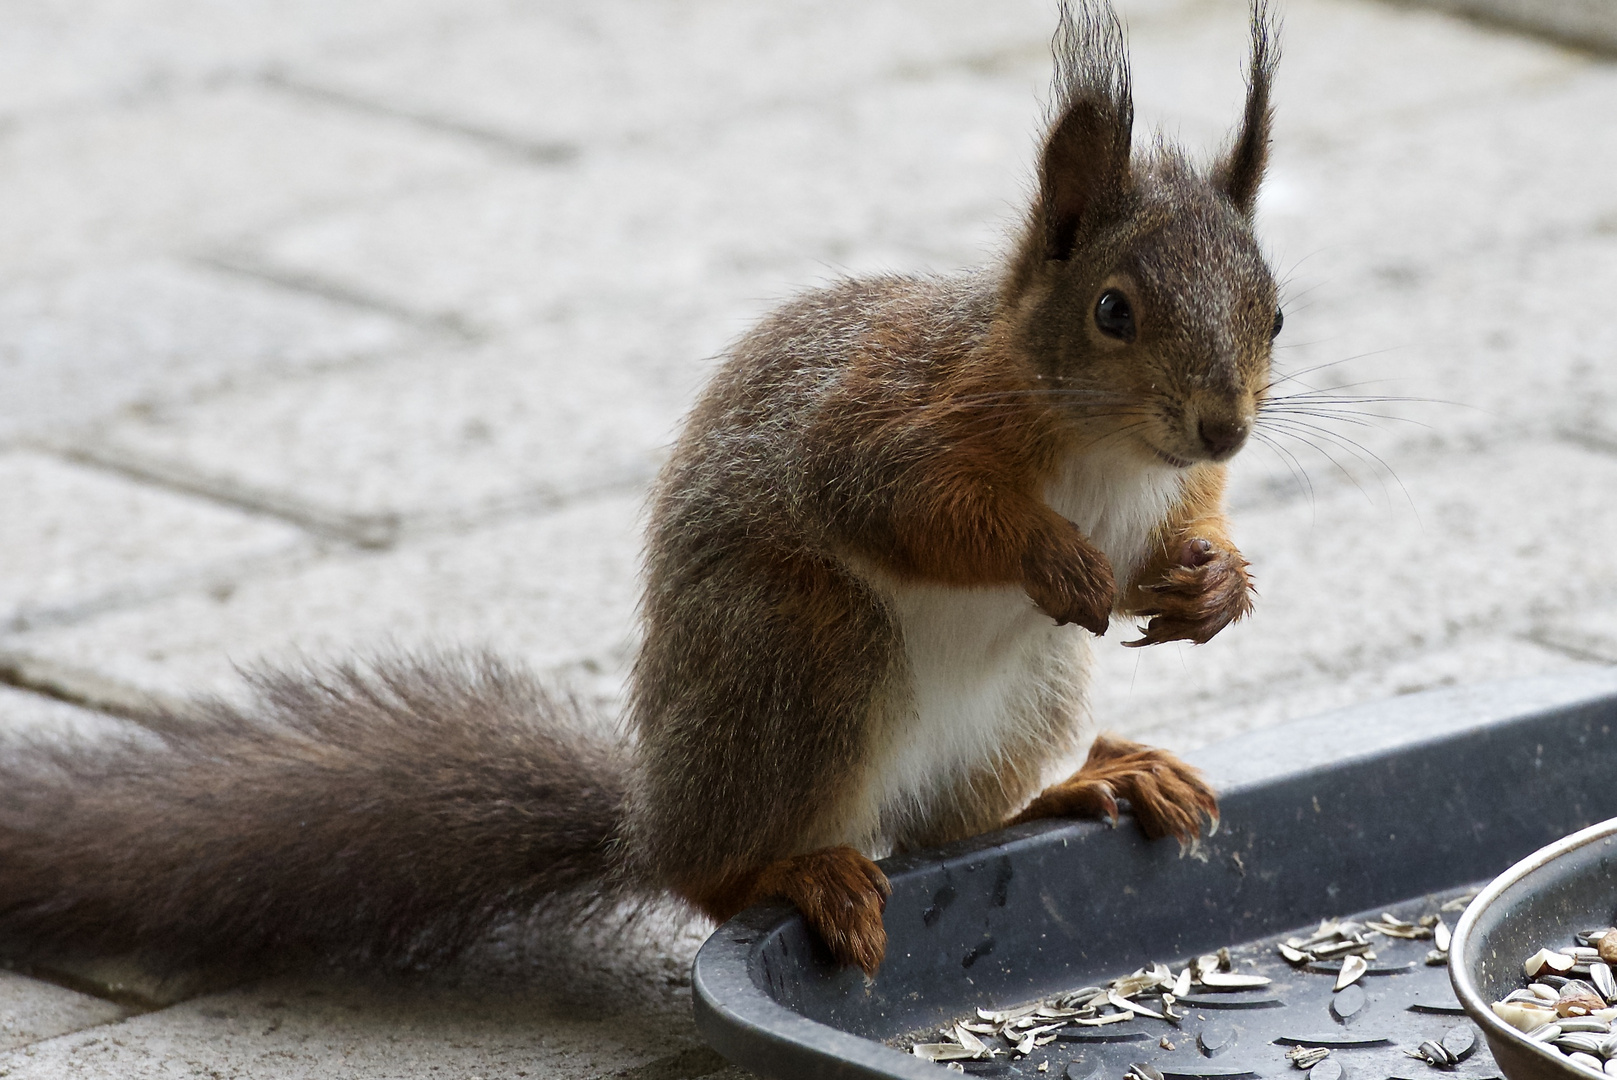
388	812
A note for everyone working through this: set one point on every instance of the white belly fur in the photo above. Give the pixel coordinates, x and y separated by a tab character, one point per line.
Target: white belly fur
983	664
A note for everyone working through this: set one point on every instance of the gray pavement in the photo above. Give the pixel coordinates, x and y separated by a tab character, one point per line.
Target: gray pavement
333	327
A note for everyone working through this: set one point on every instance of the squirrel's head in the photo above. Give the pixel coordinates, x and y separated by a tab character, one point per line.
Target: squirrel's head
1138	290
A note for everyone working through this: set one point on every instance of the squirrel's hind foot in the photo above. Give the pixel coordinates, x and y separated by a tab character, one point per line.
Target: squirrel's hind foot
840	892
1169	798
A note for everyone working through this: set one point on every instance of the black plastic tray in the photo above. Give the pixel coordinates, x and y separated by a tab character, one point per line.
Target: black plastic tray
1399	803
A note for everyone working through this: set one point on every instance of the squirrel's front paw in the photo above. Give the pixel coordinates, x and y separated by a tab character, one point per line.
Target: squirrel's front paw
1071	581
1169	798
1206	591
842	895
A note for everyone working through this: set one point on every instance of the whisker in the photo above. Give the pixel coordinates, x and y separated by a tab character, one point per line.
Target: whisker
1362	452
1289	460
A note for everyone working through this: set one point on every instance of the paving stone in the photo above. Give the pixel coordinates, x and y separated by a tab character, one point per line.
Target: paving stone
1486	545
448	436
194	170
1585	630
1183	723
32	1011
1512	347
292	1028
692	246
557	590
627	71
79	539
1581	23
1423	194
1346	67
78	348
56	56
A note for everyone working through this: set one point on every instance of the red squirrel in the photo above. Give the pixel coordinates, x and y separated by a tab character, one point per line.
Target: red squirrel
875	558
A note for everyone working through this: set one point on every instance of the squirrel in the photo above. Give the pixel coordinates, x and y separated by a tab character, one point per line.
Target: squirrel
875	559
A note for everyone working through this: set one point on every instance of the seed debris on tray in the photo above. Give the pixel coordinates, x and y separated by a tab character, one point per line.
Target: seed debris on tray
1151	992
1306	1057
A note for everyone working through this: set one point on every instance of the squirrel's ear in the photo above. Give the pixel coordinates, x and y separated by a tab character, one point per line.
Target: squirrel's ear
1085	163
1240	172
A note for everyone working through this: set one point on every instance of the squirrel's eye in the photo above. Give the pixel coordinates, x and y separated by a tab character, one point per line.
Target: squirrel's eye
1114	316
1280	321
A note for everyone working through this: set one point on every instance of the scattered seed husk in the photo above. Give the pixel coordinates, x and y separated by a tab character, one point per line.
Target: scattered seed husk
942	1052
1294	955
1052	1012
1353	968
1460	903
1436	958
1181	985
1347	947
1306	1057
1433	1053
1440	935
1000	1016
1142	1071
1229	980
1140	1010
1078	999
969	1040
1101	1021
1129	985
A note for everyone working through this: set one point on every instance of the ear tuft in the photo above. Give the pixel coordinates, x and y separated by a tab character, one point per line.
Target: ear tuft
1240	173
1085	163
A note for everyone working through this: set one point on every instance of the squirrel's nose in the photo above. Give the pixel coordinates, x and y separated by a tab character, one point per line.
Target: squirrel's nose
1222	437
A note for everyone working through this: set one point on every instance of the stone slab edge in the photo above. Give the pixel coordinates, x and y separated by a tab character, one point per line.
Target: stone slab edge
1586	24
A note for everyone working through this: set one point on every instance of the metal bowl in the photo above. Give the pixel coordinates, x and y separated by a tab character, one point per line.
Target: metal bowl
1543	900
